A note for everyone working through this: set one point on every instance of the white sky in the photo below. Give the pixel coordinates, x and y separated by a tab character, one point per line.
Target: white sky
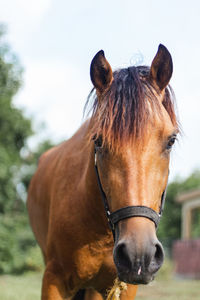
56	40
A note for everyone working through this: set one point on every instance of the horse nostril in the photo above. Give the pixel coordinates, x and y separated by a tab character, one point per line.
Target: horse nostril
159	254
121	257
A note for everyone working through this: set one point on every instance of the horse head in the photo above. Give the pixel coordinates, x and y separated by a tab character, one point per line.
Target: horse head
134	128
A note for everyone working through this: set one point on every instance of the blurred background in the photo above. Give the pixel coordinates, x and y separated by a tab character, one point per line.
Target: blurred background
46	47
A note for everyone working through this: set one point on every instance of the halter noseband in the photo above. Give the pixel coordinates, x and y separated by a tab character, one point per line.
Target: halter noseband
128	211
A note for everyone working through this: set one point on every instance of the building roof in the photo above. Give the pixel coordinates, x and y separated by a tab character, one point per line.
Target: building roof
188	196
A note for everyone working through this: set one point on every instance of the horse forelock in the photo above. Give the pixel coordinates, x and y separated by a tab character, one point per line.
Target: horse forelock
123	111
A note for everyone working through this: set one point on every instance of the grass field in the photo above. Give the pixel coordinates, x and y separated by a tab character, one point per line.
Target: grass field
26	287
170	290
165	287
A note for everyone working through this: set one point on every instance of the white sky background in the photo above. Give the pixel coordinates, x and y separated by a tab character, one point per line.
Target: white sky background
57	39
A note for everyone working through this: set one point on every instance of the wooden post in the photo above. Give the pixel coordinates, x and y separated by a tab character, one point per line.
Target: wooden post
187	217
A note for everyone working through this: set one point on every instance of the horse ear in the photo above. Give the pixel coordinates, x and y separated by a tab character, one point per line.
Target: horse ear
100	72
161	68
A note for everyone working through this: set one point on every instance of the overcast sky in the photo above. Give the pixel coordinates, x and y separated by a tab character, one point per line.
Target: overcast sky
56	40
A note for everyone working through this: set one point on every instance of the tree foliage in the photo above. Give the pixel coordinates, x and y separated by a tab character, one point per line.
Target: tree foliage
170	225
15	128
18	249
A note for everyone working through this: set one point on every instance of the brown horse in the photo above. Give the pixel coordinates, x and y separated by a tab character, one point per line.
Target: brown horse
128	137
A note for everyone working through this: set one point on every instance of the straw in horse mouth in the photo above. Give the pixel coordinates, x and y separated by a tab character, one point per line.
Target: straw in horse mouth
139	270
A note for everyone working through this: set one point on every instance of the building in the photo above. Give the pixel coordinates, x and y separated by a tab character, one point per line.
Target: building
186	252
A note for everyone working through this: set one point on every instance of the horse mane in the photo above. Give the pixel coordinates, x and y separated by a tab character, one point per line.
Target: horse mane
124	109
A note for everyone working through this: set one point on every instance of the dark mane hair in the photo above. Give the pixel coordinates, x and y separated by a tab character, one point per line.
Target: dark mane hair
124	109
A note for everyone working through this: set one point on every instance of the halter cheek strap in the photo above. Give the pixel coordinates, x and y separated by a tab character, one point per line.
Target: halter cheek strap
128	211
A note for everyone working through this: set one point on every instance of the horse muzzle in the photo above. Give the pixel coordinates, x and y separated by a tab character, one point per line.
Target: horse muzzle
138	256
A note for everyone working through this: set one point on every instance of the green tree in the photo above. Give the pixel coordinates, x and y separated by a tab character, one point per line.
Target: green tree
15	128
18	249
170	225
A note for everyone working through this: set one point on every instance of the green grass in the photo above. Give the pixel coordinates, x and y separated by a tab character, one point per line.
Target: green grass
170	290
24	287
165	287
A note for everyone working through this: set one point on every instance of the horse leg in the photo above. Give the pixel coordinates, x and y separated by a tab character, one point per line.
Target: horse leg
91	294
53	287
87	294
130	293
79	295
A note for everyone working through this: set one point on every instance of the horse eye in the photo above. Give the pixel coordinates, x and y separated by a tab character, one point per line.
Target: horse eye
98	142
171	142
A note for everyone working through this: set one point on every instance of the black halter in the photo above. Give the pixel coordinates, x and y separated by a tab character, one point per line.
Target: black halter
128	211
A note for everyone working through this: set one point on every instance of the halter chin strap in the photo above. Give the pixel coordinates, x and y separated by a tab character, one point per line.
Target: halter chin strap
128	211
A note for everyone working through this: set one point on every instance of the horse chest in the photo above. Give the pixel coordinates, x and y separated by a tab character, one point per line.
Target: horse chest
90	258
